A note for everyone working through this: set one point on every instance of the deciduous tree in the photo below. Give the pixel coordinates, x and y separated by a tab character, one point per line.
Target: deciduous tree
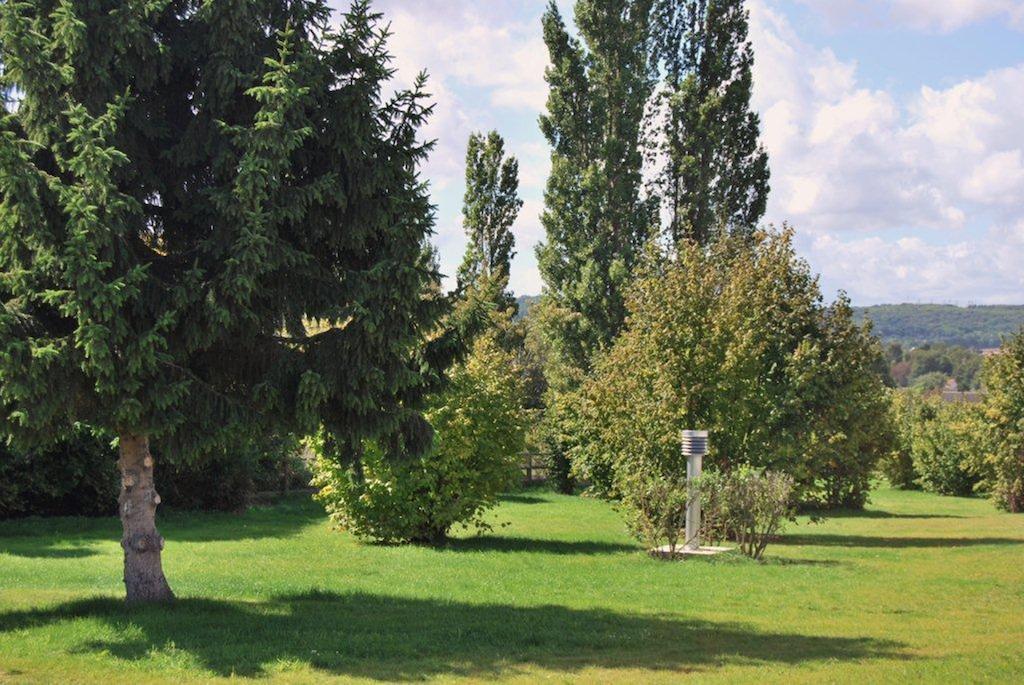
714	176
490	207
596	218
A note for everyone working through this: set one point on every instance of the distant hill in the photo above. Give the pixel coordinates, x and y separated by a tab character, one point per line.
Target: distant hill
914	325
917	324
525	302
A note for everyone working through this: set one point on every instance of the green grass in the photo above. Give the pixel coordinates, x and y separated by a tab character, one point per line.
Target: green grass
917	588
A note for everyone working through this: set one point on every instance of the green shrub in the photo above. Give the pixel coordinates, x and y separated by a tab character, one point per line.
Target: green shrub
654	508
225	479
898	465
479	427
76	476
946	438
745	505
1001	464
930	382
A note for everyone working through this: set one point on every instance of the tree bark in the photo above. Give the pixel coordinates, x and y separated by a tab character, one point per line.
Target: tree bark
144	579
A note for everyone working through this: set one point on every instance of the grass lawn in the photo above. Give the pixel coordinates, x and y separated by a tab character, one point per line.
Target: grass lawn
918	587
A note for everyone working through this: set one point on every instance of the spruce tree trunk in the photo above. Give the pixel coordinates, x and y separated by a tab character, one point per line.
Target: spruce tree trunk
143	574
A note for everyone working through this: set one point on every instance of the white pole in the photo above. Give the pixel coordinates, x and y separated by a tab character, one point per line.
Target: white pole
695	446
694	467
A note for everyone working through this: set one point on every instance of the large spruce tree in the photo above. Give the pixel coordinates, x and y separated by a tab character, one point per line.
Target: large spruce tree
490	207
596	218
715	174
210	219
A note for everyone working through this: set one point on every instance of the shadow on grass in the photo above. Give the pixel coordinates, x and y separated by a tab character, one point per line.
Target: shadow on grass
523	499
70	537
893	542
394	639
879	514
33	549
489	543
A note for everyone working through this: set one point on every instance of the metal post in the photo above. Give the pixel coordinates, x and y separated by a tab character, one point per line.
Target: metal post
695	446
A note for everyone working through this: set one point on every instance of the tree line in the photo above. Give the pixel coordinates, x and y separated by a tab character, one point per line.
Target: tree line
915	325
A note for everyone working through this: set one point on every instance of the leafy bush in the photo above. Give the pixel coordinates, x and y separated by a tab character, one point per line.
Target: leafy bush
479	427
945	439
655	510
225	479
932	381
746	505
74	477
77	476
898	465
1001	464
735	339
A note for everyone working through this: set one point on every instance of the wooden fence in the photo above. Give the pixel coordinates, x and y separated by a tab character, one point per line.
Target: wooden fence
534	467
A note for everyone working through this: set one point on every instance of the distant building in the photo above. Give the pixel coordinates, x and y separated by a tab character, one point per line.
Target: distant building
969	397
991	351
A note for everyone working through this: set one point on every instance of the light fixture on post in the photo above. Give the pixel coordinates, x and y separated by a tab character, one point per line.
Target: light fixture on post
695	446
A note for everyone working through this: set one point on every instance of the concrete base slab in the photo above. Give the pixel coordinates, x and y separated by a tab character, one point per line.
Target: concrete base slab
682	553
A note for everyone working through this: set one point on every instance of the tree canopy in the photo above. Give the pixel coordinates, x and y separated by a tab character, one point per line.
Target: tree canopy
715	171
490	207
211	217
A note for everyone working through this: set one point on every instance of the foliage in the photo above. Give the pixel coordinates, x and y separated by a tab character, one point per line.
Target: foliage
655	510
915	325
898	465
77	476
946	438
1002	465
745	505
222	480
479	425
930	382
211	221
596	218
734	339
73	477
932	366
173	199
848	427
715	178
489	209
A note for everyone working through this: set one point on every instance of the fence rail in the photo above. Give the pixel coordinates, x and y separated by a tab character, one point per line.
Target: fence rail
534	467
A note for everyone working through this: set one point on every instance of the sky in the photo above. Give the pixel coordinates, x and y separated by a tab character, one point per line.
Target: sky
895	130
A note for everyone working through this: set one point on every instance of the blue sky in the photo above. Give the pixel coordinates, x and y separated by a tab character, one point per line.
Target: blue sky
895	129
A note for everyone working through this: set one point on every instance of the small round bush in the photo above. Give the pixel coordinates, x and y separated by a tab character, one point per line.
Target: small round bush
945	440
479	431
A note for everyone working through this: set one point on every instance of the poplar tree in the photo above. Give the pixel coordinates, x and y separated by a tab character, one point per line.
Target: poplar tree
210	221
715	174
596	219
490	206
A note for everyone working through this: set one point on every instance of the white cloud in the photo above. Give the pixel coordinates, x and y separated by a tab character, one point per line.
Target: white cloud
937	167
922	15
485	66
878	270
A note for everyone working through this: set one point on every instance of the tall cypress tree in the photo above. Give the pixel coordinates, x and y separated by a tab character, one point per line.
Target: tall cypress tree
596	218
210	219
715	177
490	207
